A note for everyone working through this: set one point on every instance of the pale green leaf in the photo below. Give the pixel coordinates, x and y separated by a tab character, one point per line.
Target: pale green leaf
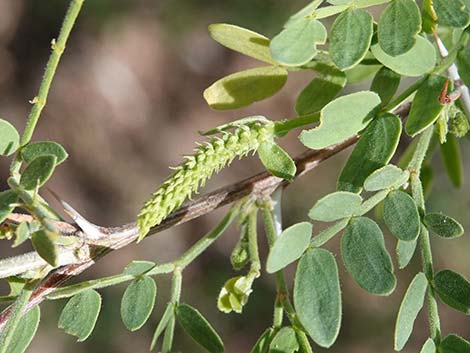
137	302
44	245
443	226
321	90
398	27
285	341
276	160
245	87
454	344
9	138
401	216
385	83
37	149
138	268
452	13
303	13
25	331
350	38
38	172
453	289
374	150
335	206
417	61
360	73
289	246
80	314
196	326
428	347
317	296
7	199
386	177
405	251
410	307
342	118
297	44
426	106
22	234
242	40
366	258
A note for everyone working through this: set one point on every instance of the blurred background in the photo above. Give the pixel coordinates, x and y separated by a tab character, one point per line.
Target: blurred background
127	103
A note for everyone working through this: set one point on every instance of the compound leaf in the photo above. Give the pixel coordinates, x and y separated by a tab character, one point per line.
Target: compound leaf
342	118
196	326
366	258
80	314
398	27
374	150
350	38
297	44
317	296
417	61
410	307
454	290
137	302
242	40
290	245
245	87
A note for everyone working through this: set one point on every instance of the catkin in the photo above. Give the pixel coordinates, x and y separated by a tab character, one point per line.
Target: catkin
209	158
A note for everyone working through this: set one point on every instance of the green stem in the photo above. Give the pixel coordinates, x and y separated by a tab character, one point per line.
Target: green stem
253	241
174	299
40	100
426	252
281	128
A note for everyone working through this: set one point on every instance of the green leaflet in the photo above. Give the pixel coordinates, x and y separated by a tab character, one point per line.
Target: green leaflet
137	302
463	63
321	90
451	157
168	315
428	347
401	216
366	258
297	44
304	12
22	234
7	199
285	341
454	344
196	326
191	174
276	160
360	73
385	83
398	26
443	226
452	13
37	149
242	40
417	61
335	206
426	106
386	177
317	296
410	307
44	245
9	138
289	246
245	87
25	331
350	38
79	316
38	172
405	251
429	16
374	150
342	118
262	344
453	289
